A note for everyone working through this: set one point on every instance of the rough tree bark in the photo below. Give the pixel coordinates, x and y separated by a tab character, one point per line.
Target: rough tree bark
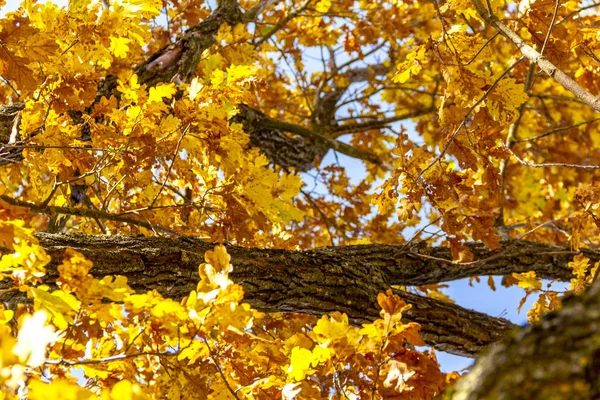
559	358
324	280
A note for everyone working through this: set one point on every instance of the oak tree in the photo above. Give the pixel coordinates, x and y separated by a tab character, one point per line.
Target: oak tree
266	198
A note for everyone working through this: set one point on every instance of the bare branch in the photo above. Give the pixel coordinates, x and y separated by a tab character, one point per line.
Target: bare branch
577	12
552	164
534	56
257	118
557	130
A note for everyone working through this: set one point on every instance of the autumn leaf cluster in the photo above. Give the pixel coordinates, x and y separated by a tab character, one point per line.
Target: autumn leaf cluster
126	118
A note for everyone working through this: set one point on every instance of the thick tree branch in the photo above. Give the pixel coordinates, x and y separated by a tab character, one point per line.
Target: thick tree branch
256	119
324	280
367	73
182	57
534	56
426	265
559	358
454	329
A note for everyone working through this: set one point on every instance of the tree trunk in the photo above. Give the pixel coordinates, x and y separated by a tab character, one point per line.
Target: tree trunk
559	358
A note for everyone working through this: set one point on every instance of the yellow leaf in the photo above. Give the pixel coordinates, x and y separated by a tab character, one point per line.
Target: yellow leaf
114	288
239	72
580	266
412	65
118	46
504	101
396	374
94	372
169	308
374	330
218	258
58	304
57	389
5	315
14	68
321	354
539	308
78	7
161	91
392	307
436	294
410	333
194	88
330	328
300	362
217	78
125	390
528	280
140	8
212	63
323	6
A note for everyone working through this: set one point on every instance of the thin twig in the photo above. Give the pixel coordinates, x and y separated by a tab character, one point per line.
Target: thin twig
547	39
573	13
542	225
111	358
472	58
510	142
219	369
82	212
557	130
546	165
323	216
353	128
170	166
543	63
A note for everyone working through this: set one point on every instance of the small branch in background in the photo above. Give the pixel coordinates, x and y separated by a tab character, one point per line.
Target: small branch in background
553	164
553	131
466	118
534	56
83	212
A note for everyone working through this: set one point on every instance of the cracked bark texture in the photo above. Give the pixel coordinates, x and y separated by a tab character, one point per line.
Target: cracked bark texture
559	358
345	279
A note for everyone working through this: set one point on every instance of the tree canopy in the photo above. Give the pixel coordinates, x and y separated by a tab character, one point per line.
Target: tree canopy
266	198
